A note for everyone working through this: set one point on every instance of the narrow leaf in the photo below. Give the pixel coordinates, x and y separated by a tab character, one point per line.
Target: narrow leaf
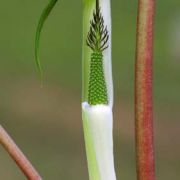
42	20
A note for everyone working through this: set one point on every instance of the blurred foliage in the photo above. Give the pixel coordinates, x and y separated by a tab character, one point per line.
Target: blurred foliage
46	122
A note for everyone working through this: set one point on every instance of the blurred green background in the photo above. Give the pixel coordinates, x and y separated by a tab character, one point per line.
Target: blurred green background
46	122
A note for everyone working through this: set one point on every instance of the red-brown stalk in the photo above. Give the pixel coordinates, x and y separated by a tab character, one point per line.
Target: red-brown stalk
143	91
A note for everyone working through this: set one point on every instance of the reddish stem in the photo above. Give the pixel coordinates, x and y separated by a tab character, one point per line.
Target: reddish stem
143	91
18	156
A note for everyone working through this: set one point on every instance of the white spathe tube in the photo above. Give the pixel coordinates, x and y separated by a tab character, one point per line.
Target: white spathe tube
99	120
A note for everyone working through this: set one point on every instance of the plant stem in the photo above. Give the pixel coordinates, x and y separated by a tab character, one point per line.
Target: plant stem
143	91
18	156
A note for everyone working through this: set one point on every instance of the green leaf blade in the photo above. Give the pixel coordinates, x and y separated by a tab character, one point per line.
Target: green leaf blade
46	12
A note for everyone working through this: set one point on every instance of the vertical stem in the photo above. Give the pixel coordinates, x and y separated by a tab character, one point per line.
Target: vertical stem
18	156
143	91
